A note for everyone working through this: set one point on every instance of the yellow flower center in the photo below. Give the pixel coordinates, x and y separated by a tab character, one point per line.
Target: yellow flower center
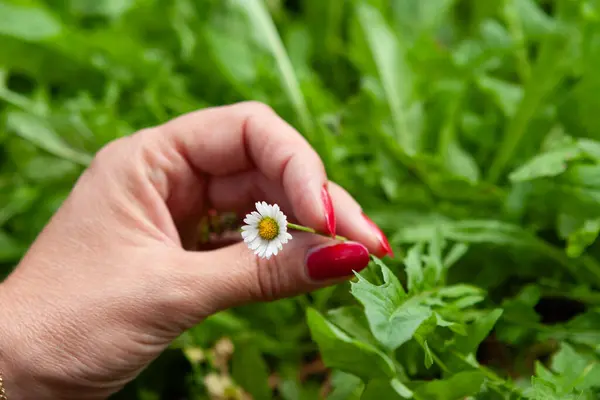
268	229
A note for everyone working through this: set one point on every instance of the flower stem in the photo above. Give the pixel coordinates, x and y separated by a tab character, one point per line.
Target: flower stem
311	230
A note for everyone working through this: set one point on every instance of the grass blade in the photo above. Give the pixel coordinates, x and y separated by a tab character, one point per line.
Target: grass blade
391	67
262	22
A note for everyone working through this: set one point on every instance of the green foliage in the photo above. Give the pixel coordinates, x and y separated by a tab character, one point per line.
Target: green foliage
467	129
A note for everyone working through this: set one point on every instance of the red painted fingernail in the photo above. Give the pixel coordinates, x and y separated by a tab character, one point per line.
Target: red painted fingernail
336	261
329	213
383	240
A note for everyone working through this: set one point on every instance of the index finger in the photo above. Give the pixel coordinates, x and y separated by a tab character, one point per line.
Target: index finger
230	139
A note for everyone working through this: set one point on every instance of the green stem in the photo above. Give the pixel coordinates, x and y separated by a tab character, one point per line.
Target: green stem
311	230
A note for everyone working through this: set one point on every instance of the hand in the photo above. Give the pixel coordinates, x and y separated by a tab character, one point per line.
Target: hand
109	283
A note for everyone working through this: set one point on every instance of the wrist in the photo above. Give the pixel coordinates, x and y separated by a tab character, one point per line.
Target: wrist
18	378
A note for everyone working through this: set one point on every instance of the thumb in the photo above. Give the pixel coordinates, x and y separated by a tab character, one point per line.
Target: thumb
306	263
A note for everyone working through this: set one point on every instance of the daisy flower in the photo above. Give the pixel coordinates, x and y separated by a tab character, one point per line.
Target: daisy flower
265	231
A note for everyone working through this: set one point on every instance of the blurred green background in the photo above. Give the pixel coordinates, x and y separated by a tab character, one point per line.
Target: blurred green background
475	120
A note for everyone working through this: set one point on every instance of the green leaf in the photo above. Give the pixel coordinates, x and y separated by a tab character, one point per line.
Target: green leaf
583	329
345	386
392	321
37	131
381	389
392	70
453	326
10	249
543	390
535	22
16	202
428	355
414	268
250	371
583	237
434	258
27	22
506	95
353	321
346	354
455	254
461	162
459	290
108	8
577	370
477	332
416	16
456	387
546	165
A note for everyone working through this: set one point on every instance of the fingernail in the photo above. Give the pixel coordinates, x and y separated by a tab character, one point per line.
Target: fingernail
336	261
383	240
329	213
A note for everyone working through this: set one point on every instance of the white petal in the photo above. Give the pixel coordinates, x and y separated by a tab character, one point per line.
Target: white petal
263	251
268	252
261	244
246	233
254	245
251	219
264	209
281	220
274	247
248	227
283	226
249	236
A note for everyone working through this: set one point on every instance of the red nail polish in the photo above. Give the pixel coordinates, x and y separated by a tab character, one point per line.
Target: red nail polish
383	240
336	261
329	213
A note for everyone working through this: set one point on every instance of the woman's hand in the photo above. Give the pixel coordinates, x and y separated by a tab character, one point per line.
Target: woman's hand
110	282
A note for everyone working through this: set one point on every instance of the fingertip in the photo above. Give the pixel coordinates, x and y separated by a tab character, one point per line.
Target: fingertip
384	247
333	261
330	221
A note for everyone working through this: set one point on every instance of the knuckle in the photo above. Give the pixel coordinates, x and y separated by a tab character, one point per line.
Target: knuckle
254	107
269	280
107	155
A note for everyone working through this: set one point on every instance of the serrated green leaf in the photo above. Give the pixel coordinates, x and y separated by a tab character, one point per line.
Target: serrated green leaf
456	387
576	370
477	332
392	321
353	321
346	354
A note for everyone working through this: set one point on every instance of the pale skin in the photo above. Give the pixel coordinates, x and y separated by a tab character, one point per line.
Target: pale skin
110	281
